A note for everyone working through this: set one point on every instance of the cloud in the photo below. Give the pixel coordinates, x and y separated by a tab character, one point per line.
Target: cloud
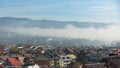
22	9
109	33
105	11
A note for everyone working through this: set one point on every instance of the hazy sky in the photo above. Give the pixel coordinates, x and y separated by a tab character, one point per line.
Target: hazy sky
103	11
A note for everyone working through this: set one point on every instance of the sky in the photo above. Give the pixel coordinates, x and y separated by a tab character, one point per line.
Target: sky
100	11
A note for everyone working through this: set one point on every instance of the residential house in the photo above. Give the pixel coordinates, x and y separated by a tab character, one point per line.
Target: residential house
13	62
33	66
64	61
43	61
75	65
94	65
111	62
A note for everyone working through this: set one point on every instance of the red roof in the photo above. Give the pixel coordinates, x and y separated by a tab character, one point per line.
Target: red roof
15	62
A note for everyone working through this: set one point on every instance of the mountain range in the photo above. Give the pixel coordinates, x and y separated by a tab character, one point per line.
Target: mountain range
26	22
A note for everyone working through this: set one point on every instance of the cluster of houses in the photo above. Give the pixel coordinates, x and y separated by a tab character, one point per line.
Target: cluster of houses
58	57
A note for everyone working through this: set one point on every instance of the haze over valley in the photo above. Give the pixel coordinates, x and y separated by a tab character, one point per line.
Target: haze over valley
92	32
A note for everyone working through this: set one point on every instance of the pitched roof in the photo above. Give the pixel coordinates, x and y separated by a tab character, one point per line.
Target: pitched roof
42	62
15	62
42	57
2	66
75	65
72	56
112	59
95	65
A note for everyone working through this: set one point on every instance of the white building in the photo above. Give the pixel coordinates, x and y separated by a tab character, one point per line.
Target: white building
65	60
33	66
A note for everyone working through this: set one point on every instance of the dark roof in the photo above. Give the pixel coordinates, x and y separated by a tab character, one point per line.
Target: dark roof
113	59
42	57
95	65
42	62
2	66
75	65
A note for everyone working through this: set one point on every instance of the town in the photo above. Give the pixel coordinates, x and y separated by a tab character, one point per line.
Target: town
59	33
46	56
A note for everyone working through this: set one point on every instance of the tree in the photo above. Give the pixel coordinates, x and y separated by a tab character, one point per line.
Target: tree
100	56
14	49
